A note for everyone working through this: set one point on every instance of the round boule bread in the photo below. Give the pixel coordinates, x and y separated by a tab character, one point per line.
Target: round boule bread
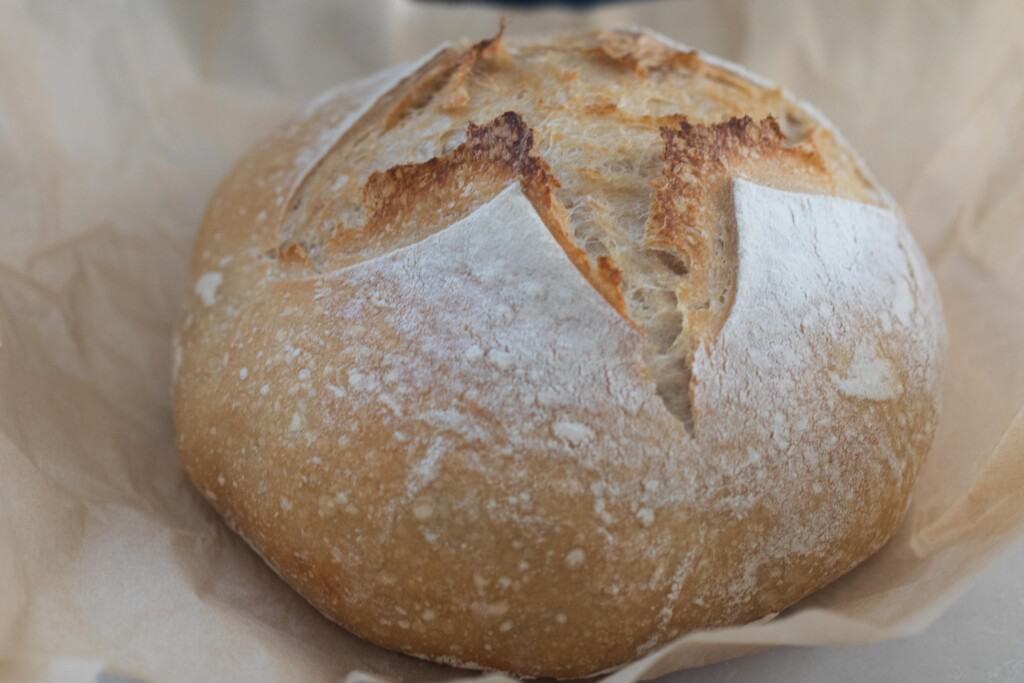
538	354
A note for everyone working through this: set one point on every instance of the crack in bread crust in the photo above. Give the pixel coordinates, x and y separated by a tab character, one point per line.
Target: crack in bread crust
691	229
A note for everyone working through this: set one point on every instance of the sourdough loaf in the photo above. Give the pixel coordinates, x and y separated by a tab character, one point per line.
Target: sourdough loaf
550	351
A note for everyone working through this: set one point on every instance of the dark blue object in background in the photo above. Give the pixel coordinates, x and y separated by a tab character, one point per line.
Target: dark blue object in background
576	4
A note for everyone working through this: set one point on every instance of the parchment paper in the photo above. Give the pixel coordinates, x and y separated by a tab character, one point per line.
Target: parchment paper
117	120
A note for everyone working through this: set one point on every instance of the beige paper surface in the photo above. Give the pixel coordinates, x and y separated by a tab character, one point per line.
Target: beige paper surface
117	121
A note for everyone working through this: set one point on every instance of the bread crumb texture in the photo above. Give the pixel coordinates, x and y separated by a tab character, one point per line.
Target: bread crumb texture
543	353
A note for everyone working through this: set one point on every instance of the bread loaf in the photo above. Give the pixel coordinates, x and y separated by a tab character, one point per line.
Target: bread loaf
553	350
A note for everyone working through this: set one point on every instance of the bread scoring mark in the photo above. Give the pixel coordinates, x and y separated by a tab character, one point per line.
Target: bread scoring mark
685	217
691	230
